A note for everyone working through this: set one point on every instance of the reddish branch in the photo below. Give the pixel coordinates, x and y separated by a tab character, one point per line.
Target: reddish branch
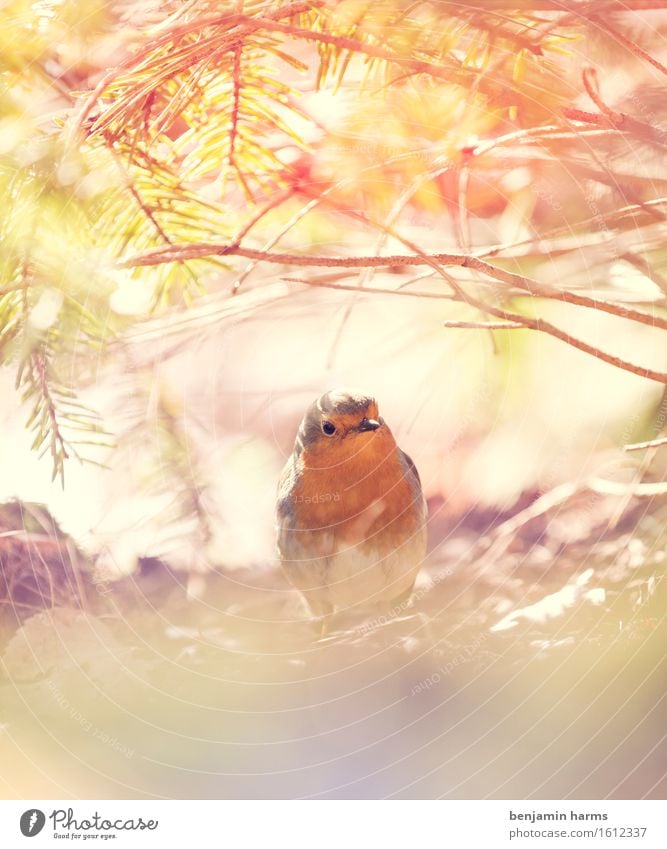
275	201
632	46
374	290
180	253
639	129
236	101
231	31
545	327
234	29
136	60
535	288
589	77
617	215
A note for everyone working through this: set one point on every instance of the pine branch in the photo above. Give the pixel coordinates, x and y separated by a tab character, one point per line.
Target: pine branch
60	423
181	48
44	418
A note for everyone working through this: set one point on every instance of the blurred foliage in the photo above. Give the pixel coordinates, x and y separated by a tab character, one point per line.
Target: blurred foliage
225	693
156	158
144	146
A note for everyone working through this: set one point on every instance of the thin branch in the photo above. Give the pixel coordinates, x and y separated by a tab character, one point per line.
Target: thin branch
274	240
374	290
533	324
145	209
180	253
167	36
58	442
275	201
638	490
535	288
652	443
528	134
638	129
612	216
315	201
545	327
236	105
485	325
632	46
638	262
589	77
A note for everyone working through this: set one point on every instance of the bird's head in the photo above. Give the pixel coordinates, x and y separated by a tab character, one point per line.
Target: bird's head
339	424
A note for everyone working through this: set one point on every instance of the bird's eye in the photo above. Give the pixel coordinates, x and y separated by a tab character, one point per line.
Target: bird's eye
328	428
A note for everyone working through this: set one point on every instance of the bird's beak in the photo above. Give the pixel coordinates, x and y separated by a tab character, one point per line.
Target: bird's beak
369	424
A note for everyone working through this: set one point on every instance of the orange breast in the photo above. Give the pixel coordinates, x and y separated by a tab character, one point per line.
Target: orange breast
359	490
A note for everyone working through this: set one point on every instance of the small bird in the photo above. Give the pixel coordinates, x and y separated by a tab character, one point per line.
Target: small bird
351	513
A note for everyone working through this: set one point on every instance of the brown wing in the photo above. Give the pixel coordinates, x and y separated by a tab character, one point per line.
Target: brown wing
410	463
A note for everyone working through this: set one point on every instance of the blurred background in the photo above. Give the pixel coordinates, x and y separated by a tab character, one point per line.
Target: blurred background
214	212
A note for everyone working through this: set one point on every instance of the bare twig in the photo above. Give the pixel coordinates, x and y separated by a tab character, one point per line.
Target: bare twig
614	215
651	443
533	324
145	209
535	288
545	327
530	135
641	490
591	83
180	253
275	201
371	290
236	104
638	129
274	240
485	325
632	46
652	447
638	262
504	534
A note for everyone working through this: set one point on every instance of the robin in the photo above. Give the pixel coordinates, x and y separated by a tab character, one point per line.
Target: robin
351	513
